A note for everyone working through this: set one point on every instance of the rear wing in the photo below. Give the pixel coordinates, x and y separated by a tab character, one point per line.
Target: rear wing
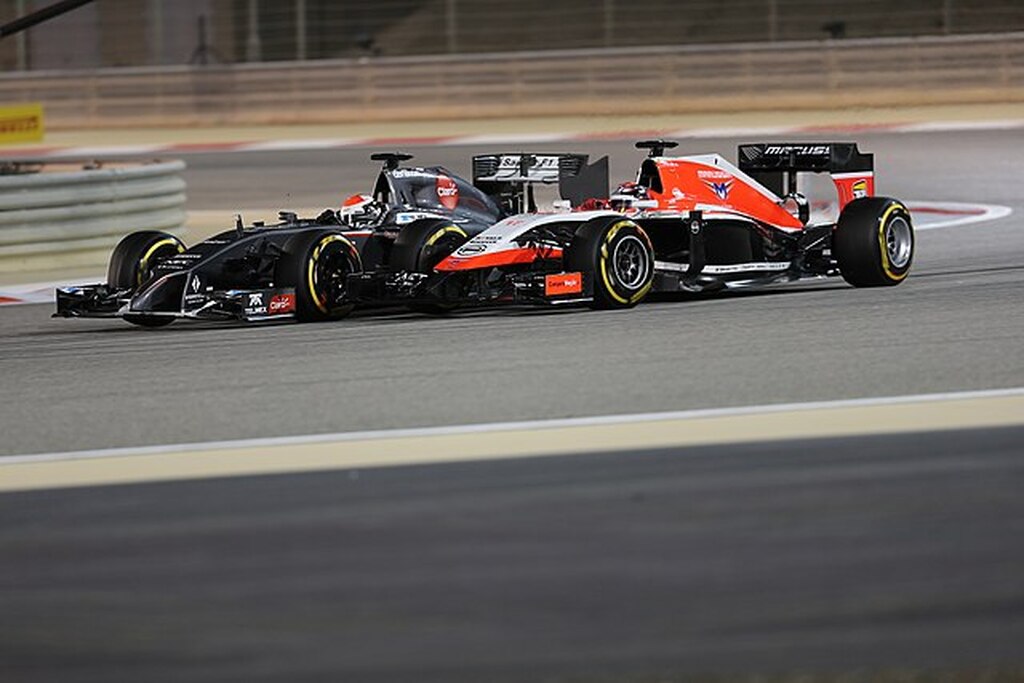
775	165
510	178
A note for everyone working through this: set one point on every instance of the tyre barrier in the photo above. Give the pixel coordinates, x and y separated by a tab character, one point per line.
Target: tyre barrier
59	215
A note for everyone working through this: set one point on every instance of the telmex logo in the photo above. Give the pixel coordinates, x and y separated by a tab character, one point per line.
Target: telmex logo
796	149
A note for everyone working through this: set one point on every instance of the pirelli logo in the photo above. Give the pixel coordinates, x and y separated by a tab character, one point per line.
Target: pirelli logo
21	123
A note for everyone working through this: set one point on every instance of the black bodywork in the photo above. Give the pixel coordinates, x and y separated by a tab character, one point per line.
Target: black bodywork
234	274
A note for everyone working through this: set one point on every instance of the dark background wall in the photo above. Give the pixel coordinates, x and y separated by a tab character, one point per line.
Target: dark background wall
155	32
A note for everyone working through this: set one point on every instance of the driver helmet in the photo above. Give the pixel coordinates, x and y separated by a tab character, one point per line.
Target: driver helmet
627	194
359	209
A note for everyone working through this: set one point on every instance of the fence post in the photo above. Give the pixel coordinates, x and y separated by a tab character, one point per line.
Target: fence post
300	30
252	42
20	39
451	26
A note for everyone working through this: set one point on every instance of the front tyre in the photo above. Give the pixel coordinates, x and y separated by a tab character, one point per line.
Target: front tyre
419	247
136	255
317	264
618	254
132	264
873	242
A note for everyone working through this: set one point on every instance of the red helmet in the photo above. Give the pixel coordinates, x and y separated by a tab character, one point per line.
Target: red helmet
360	209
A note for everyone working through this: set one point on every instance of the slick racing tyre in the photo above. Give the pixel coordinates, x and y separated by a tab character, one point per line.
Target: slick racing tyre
135	256
317	264
132	263
619	255
873	242
422	245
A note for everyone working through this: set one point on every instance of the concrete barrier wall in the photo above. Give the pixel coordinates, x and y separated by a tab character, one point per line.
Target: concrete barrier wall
80	213
818	74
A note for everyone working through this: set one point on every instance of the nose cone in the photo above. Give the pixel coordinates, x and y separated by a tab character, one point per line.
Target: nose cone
161	295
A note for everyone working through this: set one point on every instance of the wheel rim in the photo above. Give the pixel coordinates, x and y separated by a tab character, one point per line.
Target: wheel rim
331	264
630	262
899	242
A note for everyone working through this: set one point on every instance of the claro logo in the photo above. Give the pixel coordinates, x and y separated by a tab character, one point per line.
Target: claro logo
447	192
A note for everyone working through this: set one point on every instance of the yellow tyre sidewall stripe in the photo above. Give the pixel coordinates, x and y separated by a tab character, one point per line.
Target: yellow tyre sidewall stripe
443	231
884	247
144	261
311	266
604	266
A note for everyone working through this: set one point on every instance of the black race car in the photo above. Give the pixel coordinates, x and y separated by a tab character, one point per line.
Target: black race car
375	248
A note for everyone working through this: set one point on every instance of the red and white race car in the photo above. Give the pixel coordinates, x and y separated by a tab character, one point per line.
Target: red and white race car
691	223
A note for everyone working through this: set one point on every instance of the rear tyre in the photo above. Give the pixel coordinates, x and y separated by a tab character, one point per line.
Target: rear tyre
317	264
873	242
132	263
618	254
420	246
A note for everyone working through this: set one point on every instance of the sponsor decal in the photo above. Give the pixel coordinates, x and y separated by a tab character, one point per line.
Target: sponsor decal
409	173
802	150
21	123
470	249
410	216
193	294
282	303
255	304
713	174
447	192
721	189
563	283
860	189
537	162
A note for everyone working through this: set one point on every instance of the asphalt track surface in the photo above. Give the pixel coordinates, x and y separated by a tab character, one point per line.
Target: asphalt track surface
824	556
956	324
902	551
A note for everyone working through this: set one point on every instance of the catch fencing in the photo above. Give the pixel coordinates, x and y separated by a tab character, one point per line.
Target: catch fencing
77	212
765	76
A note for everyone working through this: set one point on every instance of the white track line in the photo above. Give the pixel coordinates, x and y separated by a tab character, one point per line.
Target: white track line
970	213
956	126
521	426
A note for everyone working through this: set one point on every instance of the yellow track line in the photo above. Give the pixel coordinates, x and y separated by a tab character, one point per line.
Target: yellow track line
519	440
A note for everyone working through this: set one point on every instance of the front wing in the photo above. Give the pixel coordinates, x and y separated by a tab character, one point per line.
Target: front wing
102	301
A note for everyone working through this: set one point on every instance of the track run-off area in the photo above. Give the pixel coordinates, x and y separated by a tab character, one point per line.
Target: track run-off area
816	478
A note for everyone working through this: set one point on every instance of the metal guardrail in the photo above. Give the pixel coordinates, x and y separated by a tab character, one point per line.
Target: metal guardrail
825	74
59	210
